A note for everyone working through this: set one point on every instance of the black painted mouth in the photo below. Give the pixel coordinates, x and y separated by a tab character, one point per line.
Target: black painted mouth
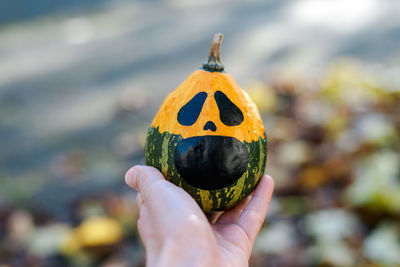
210	162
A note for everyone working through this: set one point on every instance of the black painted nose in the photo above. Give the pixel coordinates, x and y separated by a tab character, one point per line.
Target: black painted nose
210	162
210	126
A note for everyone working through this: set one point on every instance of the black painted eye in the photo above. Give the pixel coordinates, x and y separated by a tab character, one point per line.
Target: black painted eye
229	113
189	113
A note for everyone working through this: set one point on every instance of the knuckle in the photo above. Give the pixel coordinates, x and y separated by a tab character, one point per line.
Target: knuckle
255	217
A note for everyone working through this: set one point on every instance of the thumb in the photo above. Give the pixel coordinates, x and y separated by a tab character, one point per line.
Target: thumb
155	190
158	195
163	201
141	178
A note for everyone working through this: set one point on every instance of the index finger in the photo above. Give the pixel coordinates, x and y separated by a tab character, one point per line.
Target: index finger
254	213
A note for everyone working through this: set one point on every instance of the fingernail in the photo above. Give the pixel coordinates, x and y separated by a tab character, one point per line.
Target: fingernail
130	176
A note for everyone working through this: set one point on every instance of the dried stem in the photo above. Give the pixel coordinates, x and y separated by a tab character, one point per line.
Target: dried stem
214	62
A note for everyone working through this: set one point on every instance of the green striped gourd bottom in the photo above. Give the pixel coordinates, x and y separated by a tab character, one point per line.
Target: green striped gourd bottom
159	153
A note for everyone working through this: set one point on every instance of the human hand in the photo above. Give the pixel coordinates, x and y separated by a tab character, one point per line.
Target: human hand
176	232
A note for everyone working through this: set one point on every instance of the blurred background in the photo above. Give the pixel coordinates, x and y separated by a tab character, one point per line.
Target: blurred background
80	82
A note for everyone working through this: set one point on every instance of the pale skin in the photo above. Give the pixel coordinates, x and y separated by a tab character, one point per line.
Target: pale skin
176	232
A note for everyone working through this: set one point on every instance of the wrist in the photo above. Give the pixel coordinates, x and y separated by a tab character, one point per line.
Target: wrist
192	253
187	255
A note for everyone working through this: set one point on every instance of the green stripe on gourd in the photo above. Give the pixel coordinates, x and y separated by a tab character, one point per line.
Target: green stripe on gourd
159	152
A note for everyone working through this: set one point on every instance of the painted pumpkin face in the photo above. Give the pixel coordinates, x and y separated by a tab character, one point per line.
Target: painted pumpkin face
208	138
210	103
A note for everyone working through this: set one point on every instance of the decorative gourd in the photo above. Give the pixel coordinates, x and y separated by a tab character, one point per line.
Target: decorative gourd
208	137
